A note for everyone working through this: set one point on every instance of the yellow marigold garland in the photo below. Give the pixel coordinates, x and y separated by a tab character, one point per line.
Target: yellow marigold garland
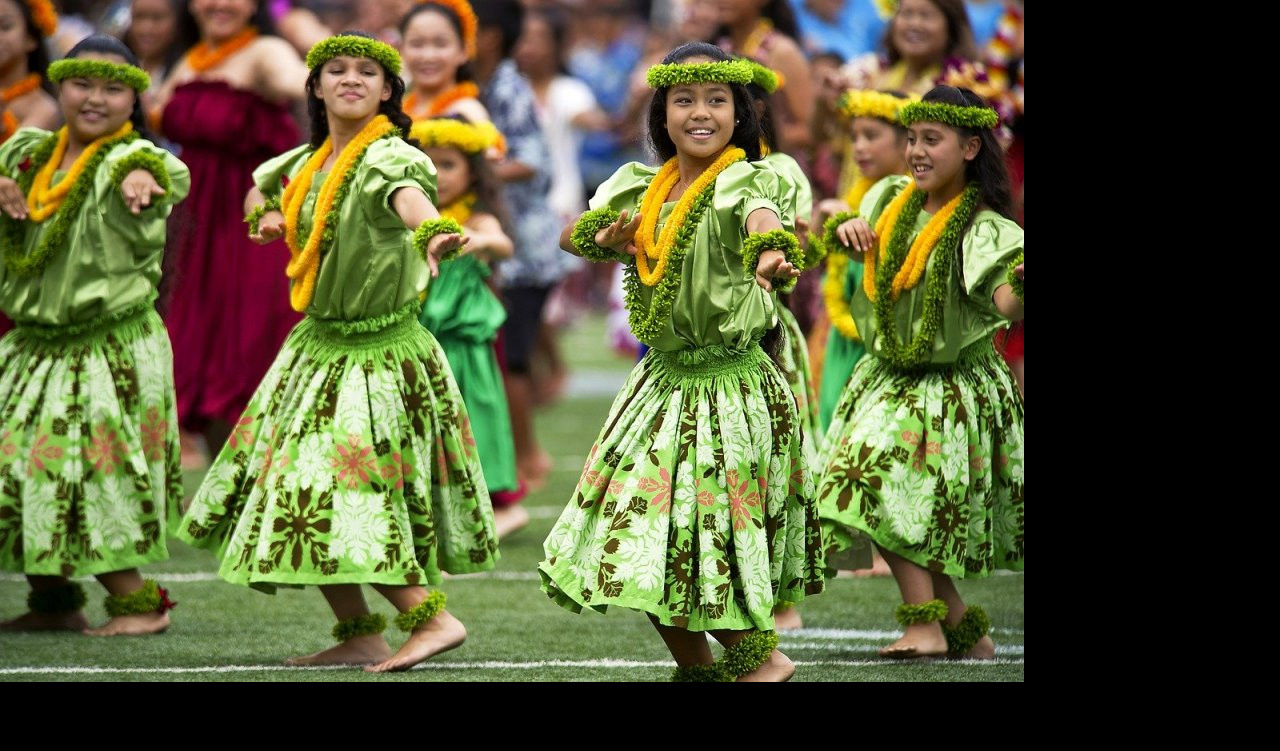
304	259
45	198
837	267
651	207
460	210
917	259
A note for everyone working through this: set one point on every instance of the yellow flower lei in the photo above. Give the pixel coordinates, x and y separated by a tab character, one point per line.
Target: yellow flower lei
460	210
651	207
918	257
44	198
304	261
837	267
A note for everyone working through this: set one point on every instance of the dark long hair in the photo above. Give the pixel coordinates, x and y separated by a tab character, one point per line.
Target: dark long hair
960	41
109	45
391	108
746	132
780	14
38	58
768	125
987	168
189	30
464	72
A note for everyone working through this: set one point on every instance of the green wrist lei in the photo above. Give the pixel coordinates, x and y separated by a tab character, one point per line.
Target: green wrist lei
925	612
64	599
778	239
750	653
962	637
829	227
13	232
361	625
132	76
1014	282
974	118
584	232
150	599
701	674
677	74
257	212
143	160
422	612
432	227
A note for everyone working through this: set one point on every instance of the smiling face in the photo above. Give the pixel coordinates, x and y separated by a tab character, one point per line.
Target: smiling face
937	157
920	31
95	107
433	50
700	116
353	87
878	147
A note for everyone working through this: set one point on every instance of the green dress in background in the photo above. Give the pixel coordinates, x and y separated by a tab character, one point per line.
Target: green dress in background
464	316
695	502
929	464
90	481
354	461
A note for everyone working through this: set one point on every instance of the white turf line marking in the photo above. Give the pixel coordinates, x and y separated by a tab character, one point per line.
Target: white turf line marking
484	665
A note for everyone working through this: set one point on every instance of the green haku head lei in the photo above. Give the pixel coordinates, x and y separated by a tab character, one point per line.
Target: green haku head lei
974	118
678	74
765	77
74	67
350	45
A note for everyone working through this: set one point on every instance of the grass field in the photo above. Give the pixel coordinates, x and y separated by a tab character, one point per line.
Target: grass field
226	632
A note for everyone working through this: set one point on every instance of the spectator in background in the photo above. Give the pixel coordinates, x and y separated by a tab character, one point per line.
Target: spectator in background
766	31
847	27
153	35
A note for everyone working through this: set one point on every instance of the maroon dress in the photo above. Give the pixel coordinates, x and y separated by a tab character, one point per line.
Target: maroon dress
227	307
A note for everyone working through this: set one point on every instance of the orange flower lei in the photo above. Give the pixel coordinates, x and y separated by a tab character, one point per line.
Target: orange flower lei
21	88
837	266
651	206
203	57
918	257
304	260
44	198
446	98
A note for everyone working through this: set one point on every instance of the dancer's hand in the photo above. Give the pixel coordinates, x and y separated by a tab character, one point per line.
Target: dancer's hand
270	227
138	188
11	199
856	234
774	265
620	236
441	244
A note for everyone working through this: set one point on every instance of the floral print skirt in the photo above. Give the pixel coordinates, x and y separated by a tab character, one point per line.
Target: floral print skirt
353	463
89	460
695	504
929	466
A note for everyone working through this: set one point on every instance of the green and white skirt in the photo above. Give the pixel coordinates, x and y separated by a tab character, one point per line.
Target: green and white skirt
929	466
89	461
695	504
353	463
793	361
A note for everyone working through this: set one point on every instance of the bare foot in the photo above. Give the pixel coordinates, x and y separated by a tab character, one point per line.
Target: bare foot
921	640
533	472
787	619
985	649
358	650
132	625
777	669
508	520
71	620
440	634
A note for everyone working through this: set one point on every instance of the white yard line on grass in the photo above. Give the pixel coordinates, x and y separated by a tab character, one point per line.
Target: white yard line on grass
482	665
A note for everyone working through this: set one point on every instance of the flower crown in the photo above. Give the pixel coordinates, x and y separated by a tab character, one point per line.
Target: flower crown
73	67
44	16
470	138
667	75
350	45
765	77
466	16
953	115
871	103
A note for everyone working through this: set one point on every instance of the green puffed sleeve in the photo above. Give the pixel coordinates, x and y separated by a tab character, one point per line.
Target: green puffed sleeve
624	189
272	175
741	189
990	243
389	165
880	195
19	146
796	193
